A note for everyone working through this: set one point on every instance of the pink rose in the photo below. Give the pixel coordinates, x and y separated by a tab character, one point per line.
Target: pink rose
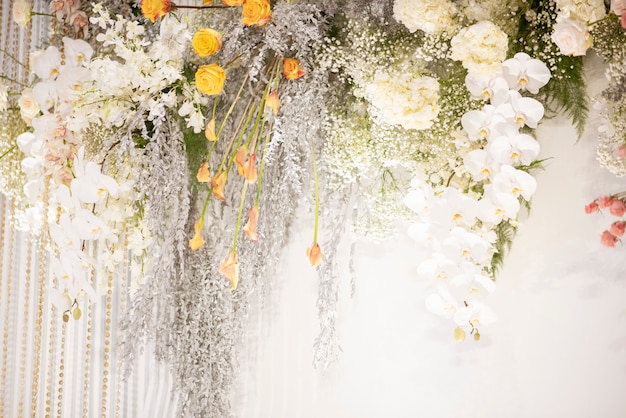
604	202
608	240
621	150
618	7
617	208
617	228
623	20
591	207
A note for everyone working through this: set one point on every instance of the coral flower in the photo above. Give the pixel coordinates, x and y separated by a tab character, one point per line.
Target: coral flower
256	12
314	254
604	202
273	102
591	207
203	175
617	207
249	169
250	226
608	240
292	69
197	241
230	269
240	158
217	183
154	9
209	131
617	228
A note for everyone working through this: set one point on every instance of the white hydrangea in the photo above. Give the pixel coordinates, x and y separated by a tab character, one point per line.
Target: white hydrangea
481	48
585	10
431	17
408	100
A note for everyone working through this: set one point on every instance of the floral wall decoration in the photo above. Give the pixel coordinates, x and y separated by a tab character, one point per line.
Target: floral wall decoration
159	151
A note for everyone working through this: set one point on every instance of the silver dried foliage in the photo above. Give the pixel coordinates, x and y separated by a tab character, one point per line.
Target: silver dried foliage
186	306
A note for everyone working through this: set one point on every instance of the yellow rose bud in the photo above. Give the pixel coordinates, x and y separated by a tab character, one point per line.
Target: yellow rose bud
206	42
210	79
154	9
256	12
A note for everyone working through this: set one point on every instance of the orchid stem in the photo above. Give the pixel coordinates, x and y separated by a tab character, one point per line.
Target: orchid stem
14	59
241	203
317	195
7	152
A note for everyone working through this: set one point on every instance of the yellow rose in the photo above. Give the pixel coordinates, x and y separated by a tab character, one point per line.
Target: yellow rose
206	42
292	68
232	2
210	79
256	12
154	9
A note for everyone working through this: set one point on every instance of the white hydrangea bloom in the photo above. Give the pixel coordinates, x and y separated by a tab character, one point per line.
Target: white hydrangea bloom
431	17
408	100
585	10
481	48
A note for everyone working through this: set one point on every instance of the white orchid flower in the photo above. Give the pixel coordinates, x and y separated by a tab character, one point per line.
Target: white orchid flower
48	64
466	245
494	89
475	314
514	150
442	303
480	164
482	124
516	182
438	267
495	206
525	73
77	52
454	208
528	111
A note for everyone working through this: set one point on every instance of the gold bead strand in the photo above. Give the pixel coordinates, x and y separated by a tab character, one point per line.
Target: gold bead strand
121	312
61	371
86	375
107	346
5	329
25	330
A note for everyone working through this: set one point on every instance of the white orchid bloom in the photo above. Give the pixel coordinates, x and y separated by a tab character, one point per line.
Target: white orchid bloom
46	95
420	198
33	168
33	189
475	314
453	208
480	164
496	206
77	52
514	150
88	226
442	303
93	186
64	234
472	280
494	89
438	267
28	142
525	73
528	111
465	245
516	182
482	124
48	64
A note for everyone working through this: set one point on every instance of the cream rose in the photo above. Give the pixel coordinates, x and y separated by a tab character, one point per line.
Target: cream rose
29	108
428	16
572	37
21	12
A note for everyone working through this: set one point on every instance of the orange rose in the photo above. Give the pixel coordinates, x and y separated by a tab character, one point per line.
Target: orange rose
256	12
210	79
154	9
292	69
206	42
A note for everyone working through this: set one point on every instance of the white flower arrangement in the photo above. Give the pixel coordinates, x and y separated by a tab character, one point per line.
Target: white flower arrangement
481	48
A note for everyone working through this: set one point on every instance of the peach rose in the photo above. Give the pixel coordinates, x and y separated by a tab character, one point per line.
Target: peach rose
256	12
154	9
206	42
210	79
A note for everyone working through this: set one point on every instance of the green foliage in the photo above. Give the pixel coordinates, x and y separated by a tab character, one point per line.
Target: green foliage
196	147
505	233
566	92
